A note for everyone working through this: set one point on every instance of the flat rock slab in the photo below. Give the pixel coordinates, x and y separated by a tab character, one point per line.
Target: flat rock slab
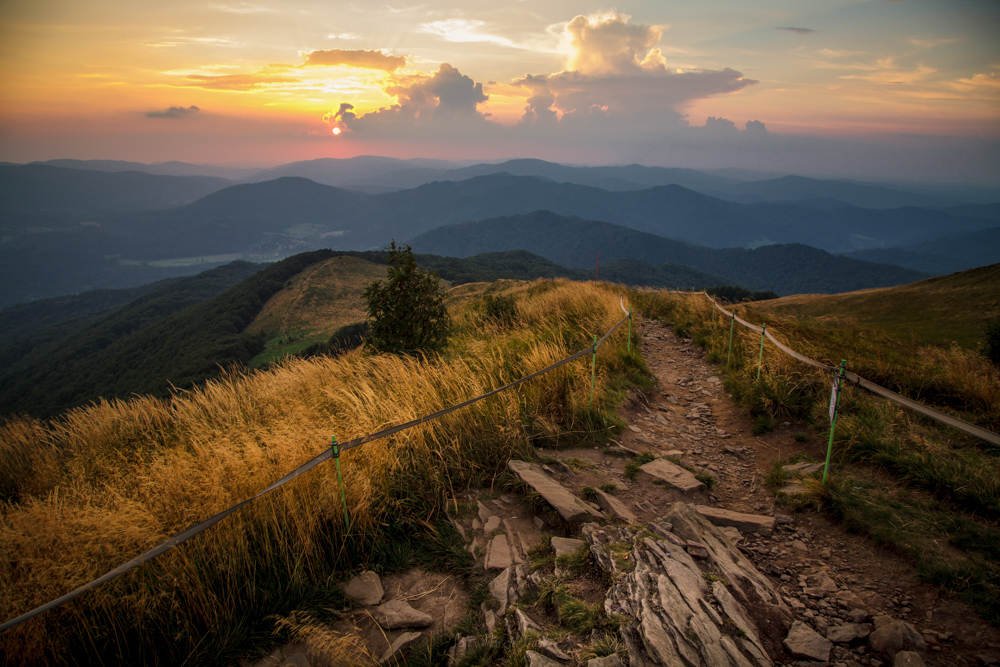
570	508
498	555
745	523
673	475
396	614
366	588
609	503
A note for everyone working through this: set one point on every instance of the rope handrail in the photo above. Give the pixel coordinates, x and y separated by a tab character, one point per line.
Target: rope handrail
925	410
327	454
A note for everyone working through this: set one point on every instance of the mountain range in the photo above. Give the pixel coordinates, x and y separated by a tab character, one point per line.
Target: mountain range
65	230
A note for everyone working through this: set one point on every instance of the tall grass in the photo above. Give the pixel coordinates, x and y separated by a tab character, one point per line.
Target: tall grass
103	483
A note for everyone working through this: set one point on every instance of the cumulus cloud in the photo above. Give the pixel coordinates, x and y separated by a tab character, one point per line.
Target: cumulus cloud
446	100
800	31
618	76
720	125
609	45
174	112
354	58
755	128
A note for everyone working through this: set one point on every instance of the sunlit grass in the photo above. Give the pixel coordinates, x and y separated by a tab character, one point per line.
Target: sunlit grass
103	483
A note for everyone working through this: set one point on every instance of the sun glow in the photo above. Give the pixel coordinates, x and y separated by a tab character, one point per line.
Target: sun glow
336	130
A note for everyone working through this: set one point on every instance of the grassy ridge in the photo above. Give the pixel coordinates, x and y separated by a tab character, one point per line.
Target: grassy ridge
908	482
936	311
105	482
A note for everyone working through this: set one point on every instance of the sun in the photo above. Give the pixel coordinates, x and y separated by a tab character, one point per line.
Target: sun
336	130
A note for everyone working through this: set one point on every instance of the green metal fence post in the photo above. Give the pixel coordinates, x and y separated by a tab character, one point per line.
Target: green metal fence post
732	326
593	372
630	329
340	480
833	418
760	362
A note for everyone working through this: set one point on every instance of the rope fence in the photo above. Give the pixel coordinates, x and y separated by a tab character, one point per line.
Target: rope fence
333	452
856	379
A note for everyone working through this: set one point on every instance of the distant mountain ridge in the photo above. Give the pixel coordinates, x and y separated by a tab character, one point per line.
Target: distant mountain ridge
575	242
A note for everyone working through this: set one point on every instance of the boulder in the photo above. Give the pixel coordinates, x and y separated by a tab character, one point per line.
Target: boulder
366	588
396	614
896	636
804	642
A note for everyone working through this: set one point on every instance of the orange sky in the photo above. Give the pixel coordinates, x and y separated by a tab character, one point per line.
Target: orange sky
262	83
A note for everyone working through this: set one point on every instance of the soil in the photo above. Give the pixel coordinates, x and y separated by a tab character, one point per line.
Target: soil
690	411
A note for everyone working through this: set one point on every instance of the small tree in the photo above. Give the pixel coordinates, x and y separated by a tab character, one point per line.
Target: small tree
406	313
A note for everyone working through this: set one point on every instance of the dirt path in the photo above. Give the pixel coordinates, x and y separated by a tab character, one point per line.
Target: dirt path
690	412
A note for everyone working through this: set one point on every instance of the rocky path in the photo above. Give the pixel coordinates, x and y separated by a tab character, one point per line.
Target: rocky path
692	554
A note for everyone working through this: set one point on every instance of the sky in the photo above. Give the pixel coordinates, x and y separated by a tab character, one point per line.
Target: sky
906	90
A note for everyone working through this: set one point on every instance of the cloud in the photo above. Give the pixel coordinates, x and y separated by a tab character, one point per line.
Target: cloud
239	81
618	77
609	45
174	112
648	101
720	125
462	31
447	100
800	31
354	58
755	128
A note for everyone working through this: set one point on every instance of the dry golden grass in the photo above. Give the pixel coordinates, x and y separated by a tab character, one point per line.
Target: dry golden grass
106	482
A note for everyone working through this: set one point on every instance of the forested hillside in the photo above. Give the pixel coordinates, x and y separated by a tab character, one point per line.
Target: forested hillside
147	347
574	242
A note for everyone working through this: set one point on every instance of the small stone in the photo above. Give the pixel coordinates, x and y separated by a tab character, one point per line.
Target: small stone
396	614
696	549
551	649
525	624
298	659
908	659
845	634
804	642
616	507
492	524
539	522
608	661
366	588
533	659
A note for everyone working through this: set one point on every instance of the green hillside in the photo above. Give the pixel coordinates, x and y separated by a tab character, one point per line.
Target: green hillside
148	347
939	311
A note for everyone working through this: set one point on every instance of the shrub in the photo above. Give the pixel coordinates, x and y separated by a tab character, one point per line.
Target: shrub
501	309
991	342
406	313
